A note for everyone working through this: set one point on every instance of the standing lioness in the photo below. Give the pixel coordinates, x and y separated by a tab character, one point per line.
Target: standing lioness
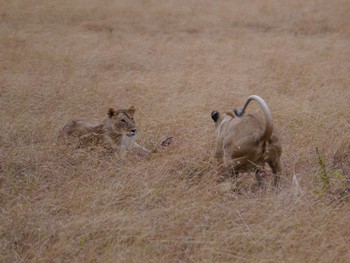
244	142
117	132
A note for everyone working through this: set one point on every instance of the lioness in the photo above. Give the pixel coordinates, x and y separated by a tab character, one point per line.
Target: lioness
117	132
244	142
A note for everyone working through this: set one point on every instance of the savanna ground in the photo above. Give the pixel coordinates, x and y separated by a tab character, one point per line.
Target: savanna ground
175	61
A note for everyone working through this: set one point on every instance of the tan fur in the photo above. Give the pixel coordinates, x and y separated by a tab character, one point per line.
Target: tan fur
117	132
242	144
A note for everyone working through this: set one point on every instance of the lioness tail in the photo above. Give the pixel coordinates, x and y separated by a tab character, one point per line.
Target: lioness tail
268	118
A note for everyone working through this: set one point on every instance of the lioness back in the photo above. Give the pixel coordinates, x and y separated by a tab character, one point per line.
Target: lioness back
76	128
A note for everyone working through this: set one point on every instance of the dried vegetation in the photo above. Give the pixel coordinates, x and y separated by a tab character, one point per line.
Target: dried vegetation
175	61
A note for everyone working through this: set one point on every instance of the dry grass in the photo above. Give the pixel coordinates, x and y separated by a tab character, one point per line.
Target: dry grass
175	61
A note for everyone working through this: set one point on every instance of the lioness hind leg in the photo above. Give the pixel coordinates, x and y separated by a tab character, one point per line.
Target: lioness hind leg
276	170
276	181
230	168
90	139
259	175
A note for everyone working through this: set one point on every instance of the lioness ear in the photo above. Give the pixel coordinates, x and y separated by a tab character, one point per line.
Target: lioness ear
215	116
111	112
132	110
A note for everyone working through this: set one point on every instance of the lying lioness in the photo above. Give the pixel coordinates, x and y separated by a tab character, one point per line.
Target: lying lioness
117	133
244	142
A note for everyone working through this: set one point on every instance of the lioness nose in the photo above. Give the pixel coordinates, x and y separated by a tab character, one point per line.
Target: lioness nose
133	130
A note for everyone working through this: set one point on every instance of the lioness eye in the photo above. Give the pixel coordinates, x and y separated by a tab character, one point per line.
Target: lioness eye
122	120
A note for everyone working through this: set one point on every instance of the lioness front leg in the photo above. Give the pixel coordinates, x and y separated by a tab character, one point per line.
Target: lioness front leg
164	144
140	149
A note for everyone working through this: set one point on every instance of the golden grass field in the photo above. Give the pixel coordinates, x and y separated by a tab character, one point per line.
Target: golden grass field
175	61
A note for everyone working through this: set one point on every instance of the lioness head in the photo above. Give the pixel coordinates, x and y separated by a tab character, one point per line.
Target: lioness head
122	121
218	118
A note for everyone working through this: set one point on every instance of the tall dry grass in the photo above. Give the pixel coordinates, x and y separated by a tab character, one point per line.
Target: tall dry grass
175	61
